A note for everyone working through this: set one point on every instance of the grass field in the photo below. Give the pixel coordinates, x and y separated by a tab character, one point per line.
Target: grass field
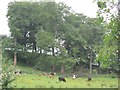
32	80
35	81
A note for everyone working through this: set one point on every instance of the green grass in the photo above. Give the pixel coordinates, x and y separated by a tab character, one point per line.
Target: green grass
32	80
27	70
35	81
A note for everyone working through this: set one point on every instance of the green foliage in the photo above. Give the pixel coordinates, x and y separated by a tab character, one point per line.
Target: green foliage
101	4
7	73
107	56
25	69
42	26
7	43
44	39
44	62
16	33
69	63
109	47
29	21
27	58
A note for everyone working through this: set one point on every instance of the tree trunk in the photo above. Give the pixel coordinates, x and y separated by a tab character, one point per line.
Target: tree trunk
34	49
53	68
90	76
53	53
81	71
40	50
15	55
62	69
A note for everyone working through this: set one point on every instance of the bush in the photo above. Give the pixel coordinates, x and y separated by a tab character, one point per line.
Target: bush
7	73
27	57
45	63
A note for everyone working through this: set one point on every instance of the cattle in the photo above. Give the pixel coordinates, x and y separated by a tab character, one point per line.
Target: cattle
89	79
61	78
74	76
18	72
52	73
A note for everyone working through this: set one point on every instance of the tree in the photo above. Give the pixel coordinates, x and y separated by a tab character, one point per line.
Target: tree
45	40
16	34
26	21
108	53
31	19
82	35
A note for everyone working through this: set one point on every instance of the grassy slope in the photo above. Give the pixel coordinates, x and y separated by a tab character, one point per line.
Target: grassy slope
32	80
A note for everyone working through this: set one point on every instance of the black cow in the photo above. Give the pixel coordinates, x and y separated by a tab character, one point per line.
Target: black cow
89	79
62	79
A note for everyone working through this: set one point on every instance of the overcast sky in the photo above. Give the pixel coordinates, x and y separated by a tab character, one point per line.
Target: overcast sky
87	7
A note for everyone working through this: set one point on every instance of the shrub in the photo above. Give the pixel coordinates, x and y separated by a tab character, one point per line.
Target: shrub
7	73
44	62
27	57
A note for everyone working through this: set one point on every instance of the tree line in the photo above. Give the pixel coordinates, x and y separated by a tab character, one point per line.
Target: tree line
50	35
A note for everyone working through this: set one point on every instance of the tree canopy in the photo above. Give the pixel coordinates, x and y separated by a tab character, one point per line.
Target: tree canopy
55	31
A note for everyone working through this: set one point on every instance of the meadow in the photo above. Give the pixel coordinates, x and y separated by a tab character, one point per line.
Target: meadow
33	80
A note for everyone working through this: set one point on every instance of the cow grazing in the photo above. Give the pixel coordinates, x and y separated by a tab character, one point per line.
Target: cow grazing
74	76
62	79
18	72
89	79
52	74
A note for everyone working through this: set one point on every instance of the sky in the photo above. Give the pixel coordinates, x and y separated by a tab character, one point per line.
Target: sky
87	7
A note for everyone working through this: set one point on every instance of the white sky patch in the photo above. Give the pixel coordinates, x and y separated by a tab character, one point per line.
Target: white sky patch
87	7
82	6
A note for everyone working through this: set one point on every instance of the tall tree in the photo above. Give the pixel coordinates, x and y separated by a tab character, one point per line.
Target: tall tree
108	54
16	34
82	35
23	15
